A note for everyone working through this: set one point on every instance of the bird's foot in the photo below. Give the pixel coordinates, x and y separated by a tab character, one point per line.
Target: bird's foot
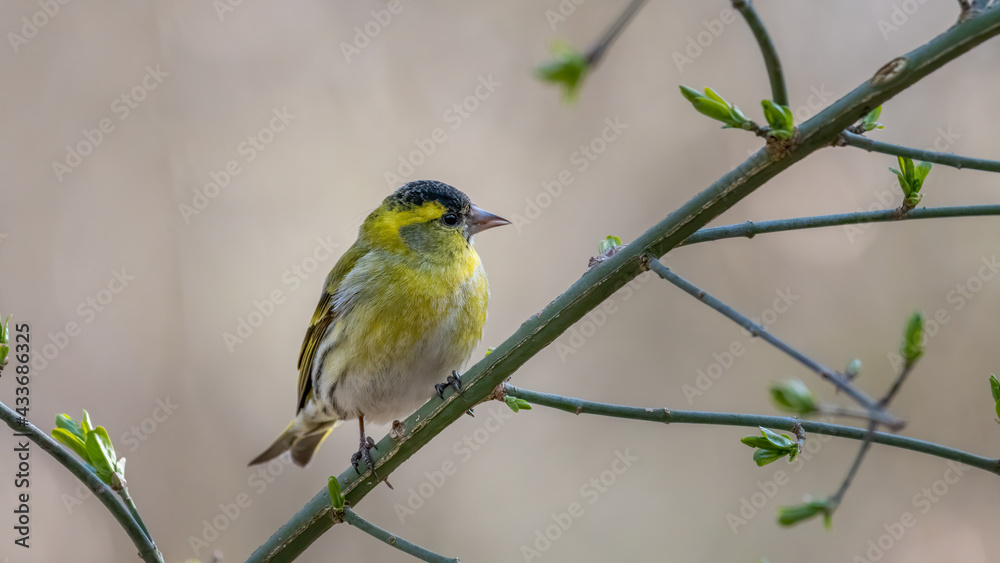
364	454
452	381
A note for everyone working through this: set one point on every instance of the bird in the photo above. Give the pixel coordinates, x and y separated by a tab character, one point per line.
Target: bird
402	310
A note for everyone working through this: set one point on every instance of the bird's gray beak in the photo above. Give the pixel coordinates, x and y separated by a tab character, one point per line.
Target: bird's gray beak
480	220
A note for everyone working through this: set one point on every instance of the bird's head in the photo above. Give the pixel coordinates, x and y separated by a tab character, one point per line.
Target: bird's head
428	217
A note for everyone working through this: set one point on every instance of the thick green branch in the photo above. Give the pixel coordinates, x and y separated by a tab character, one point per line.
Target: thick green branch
750	229
599	283
671	416
861	142
779	94
147	550
389	538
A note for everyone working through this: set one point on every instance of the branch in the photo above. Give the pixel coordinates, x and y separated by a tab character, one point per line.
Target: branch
596	53
866	443
599	283
389	538
915	324
147	549
751	229
861	142
839	381
671	416
134	511
897	384
779	94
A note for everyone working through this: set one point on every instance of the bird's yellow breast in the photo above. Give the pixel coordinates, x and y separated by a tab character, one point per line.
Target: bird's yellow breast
413	308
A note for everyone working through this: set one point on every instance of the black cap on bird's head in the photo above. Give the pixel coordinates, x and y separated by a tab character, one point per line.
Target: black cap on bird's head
418	192
455	203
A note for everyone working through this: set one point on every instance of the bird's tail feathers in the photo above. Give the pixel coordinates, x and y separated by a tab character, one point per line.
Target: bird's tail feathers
302	438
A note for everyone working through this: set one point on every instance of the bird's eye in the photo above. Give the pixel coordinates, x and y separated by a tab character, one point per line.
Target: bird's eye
450	219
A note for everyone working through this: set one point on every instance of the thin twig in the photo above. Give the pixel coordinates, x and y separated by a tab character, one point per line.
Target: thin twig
865	445
884	403
897	384
845	412
389	538
671	416
839	381
953	160
596	52
130	504
750	229
147	549
779	94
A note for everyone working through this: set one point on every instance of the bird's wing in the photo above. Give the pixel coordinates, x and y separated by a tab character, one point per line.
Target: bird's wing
322	318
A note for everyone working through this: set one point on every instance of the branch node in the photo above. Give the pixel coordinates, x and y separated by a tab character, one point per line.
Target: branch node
889	71
800	434
644	261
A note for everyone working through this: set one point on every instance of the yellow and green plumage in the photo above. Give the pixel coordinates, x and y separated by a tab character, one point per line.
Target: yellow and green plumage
403	308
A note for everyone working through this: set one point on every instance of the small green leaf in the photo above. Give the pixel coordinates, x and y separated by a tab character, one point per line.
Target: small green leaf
607	244
782	441
995	387
764	457
870	121
780	119
912	348
906	165
790	515
66	422
713	109
920	174
71	441
489	351
793	396
516	404
85	423
715	106
773	115
691	94
567	69
771	446
756	442
101	454
336	497
512	403
737	119
715	96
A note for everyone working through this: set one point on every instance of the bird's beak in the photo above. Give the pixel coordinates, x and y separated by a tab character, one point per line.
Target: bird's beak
480	220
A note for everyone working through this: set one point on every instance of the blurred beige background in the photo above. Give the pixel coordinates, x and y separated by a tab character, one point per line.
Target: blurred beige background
201	88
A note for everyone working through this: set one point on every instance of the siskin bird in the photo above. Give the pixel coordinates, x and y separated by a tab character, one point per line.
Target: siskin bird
402	310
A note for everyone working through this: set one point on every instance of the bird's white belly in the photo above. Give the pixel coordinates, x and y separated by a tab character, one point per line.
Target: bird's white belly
399	388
